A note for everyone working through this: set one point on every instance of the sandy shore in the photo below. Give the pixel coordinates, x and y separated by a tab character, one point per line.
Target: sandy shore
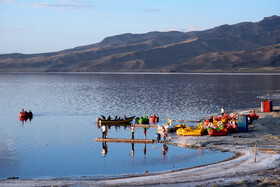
239	171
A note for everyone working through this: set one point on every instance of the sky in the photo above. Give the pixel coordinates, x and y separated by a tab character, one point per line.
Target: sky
39	26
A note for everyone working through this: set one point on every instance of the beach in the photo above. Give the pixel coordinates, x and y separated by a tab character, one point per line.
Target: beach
241	170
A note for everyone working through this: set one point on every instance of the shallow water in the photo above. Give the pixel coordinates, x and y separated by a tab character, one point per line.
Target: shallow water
59	141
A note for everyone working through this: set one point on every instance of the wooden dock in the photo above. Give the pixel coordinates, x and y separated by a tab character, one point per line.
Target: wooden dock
143	125
135	125
120	140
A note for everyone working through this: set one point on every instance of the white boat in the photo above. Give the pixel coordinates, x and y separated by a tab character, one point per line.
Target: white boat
168	126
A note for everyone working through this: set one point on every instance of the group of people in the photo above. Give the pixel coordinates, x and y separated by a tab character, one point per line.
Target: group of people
110	118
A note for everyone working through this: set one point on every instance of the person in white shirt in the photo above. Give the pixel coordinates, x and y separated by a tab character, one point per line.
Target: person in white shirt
103	129
223	111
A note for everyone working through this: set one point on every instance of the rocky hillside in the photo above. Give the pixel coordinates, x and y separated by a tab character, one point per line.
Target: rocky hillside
249	47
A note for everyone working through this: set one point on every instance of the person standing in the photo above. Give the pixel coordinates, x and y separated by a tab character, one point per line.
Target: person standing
145	132
132	131
223	111
103	129
164	134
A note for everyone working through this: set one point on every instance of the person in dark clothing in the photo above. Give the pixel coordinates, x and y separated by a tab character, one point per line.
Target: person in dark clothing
211	119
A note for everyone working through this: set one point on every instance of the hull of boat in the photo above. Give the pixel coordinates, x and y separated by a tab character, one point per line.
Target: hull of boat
128	120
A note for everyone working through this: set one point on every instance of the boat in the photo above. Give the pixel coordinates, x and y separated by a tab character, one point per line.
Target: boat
253	116
189	131
180	126
232	126
144	120
226	118
154	119
111	122
218	130
168	126
24	115
221	132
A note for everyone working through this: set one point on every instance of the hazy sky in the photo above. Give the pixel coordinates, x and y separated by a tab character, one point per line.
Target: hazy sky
35	26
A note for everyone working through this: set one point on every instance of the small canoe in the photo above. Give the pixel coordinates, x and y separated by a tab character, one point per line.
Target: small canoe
110	122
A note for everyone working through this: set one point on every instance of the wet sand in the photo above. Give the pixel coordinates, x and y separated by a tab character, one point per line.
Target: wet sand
241	170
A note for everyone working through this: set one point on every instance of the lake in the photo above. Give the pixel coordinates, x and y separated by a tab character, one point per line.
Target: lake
59	140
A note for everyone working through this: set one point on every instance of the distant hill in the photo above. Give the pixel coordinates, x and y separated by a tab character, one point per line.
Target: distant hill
243	47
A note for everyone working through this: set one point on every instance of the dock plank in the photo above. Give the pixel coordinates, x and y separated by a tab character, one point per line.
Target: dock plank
120	140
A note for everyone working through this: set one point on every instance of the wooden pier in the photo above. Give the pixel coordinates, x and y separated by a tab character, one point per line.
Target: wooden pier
135	125
120	140
143	125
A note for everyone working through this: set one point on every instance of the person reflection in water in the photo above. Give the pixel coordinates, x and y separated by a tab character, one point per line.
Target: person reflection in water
145	149
164	149
104	149
132	151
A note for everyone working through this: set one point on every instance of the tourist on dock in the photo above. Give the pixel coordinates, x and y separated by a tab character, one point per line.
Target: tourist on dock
145	132
103	129
164	133
223	111
132	131
106	132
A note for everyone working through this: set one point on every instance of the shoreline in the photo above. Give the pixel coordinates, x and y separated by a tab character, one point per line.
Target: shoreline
237	171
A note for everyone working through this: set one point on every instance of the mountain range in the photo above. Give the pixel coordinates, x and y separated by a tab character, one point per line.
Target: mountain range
242	47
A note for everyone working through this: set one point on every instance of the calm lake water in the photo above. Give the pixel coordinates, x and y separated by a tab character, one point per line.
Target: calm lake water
59	141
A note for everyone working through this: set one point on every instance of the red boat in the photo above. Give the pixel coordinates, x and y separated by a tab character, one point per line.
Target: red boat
222	132
232	127
253	116
218	118
154	119
24	115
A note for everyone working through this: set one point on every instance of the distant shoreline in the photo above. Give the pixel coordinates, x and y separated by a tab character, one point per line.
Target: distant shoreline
145	73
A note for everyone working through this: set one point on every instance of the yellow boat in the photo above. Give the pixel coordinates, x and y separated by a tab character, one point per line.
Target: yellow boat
179	131
180	126
189	131
115	122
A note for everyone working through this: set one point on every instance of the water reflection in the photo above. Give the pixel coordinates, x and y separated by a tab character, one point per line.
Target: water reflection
104	149
164	149
145	149
67	105
132	151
